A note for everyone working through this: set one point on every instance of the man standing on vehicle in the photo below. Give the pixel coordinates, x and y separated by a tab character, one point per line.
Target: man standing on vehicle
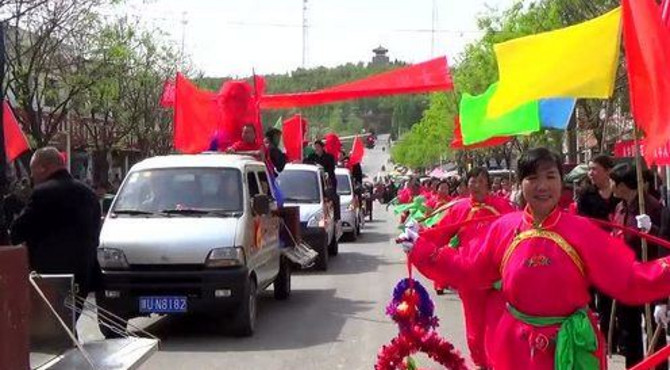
277	157
327	161
61	223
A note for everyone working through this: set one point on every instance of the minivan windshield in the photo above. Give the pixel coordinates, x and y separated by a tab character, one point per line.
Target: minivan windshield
343	185
299	186
181	191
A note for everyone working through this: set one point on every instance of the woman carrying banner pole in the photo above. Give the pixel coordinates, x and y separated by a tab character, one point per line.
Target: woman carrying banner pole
545	261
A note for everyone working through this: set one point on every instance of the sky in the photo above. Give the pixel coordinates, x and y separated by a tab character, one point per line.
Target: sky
232	37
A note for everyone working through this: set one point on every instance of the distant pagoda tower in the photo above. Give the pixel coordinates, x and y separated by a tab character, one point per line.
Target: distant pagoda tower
380	57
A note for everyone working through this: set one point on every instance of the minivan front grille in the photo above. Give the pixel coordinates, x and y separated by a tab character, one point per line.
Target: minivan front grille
168	268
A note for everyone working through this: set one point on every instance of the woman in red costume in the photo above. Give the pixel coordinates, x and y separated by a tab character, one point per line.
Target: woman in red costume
481	204
546	261
441	196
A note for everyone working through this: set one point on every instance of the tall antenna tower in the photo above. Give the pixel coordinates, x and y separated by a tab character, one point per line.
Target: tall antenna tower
432	29
304	33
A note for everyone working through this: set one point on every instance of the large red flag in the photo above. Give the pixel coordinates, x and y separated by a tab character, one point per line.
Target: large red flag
457	140
357	151
293	131
15	141
429	76
195	117
647	44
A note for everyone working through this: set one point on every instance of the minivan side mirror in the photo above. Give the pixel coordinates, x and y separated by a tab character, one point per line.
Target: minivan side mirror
260	205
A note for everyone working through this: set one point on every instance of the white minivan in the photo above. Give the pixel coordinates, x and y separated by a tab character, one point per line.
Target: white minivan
307	186
192	234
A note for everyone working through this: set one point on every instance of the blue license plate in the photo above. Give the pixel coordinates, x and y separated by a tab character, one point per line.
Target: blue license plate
163	304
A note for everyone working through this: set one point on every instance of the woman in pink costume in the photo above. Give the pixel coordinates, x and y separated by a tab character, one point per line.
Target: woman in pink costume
546	260
467	239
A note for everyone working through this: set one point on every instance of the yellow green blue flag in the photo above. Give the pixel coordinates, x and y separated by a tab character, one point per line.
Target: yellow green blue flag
579	61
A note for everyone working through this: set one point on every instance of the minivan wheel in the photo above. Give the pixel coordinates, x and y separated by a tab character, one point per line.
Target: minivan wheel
282	283
334	246
245	320
321	262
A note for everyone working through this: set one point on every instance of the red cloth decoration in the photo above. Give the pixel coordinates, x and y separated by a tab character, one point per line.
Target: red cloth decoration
457	141
429	76
357	152
626	149
15	141
195	116
168	95
333	145
647	44
200	115
293	132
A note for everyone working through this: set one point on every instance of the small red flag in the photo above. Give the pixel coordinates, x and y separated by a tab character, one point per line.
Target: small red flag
357	151
457	141
168	95
333	145
292	136
15	141
647	44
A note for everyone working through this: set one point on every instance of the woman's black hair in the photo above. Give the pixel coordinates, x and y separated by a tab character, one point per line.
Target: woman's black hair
625	173
604	160
475	172
532	159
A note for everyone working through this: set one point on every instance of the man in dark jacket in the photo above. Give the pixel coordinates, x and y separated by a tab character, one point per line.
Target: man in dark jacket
327	161
277	157
61	222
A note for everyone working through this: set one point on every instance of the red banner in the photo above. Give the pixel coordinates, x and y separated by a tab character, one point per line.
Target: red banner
626	149
429	76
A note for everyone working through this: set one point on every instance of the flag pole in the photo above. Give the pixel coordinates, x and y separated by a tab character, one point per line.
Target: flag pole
4	237
642	210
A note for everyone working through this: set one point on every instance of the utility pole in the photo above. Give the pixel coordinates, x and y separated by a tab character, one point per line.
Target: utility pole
304	33
182	51
432	29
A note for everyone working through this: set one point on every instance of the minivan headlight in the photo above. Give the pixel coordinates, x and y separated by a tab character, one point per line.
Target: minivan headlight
316	220
226	257
112	259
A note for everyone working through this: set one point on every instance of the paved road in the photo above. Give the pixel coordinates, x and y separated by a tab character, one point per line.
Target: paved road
334	320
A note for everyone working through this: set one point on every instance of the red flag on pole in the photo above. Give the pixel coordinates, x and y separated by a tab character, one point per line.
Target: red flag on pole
195	117
357	151
457	140
293	130
647	44
429	76
15	141
332	145
168	95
